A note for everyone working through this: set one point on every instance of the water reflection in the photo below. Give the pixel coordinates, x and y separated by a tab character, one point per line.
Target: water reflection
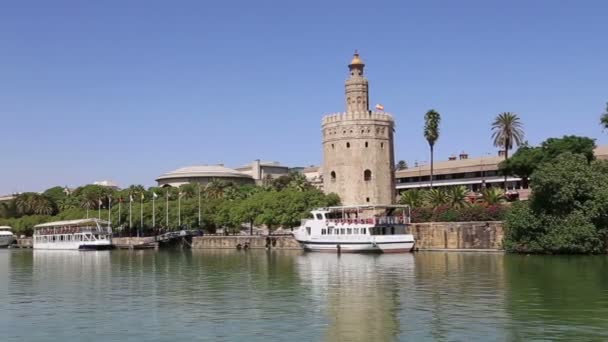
566	295
359	293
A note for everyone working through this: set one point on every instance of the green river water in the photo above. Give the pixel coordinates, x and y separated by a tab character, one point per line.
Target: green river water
226	295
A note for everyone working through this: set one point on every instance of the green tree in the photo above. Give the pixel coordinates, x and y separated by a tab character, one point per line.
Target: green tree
432	119
568	210
527	159
401	165
31	203
604	117
507	130
523	162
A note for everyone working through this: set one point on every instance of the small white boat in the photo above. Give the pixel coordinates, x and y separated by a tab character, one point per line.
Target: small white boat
357	229
6	236
85	234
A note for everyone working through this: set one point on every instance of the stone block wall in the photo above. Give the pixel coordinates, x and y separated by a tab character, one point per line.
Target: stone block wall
230	242
458	235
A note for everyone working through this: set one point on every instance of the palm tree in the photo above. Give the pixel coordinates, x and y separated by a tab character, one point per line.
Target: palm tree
215	189
457	196
436	197
604	118
414	198
431	133
507	131
492	196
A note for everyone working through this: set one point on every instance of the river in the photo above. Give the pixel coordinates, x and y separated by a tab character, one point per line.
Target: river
226	295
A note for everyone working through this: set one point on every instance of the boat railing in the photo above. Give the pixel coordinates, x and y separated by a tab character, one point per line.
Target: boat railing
380	220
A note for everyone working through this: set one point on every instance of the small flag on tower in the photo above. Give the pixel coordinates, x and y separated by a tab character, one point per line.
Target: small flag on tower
154	195
379	107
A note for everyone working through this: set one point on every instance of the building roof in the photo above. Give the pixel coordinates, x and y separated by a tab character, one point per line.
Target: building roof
107	183
203	171
453	166
487	163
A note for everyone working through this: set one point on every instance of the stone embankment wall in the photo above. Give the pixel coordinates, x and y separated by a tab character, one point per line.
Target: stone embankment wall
215	242
458	235
132	241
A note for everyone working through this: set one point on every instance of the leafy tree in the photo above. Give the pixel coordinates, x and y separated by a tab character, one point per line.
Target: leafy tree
432	119
567	212
553	147
604	118
523	162
527	159
507	131
56	193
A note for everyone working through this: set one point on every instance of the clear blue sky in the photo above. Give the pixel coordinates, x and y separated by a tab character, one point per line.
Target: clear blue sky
128	90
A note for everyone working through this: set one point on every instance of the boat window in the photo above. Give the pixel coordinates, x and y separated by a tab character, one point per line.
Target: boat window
392	230
323	231
319	217
356	230
363	231
342	231
349	231
330	230
308	230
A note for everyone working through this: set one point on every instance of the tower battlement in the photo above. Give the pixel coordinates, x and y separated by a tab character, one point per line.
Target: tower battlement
341	117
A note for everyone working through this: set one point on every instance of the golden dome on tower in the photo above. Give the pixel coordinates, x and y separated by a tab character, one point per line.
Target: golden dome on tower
356	60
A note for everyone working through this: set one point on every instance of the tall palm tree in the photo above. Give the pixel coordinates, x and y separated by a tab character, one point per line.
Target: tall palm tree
431	133
492	196
414	198
436	197
507	130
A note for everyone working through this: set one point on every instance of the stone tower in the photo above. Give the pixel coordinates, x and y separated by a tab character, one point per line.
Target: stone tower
358	158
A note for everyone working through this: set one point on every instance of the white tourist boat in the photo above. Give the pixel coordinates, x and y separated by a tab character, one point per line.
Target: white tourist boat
357	229
6	236
85	234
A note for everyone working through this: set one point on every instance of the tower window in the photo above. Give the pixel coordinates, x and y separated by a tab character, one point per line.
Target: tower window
333	176
366	200
381	145
332	146
347	145
366	144
367	175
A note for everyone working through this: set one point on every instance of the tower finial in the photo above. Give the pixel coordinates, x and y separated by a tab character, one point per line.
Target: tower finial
356	59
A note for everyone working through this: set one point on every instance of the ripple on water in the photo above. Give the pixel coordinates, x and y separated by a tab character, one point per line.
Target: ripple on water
278	295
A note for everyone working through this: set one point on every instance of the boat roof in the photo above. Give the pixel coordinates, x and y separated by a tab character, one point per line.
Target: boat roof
72	223
5	227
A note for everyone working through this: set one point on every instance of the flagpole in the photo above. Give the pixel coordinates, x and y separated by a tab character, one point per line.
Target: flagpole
179	210
119	202
199	205
153	210
99	209
130	216
167	209
141	212
109	209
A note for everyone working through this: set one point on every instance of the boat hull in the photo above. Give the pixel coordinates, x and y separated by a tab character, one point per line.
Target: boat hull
358	247
6	240
76	245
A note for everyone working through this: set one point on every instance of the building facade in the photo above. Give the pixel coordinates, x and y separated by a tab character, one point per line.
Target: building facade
261	171
358	154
